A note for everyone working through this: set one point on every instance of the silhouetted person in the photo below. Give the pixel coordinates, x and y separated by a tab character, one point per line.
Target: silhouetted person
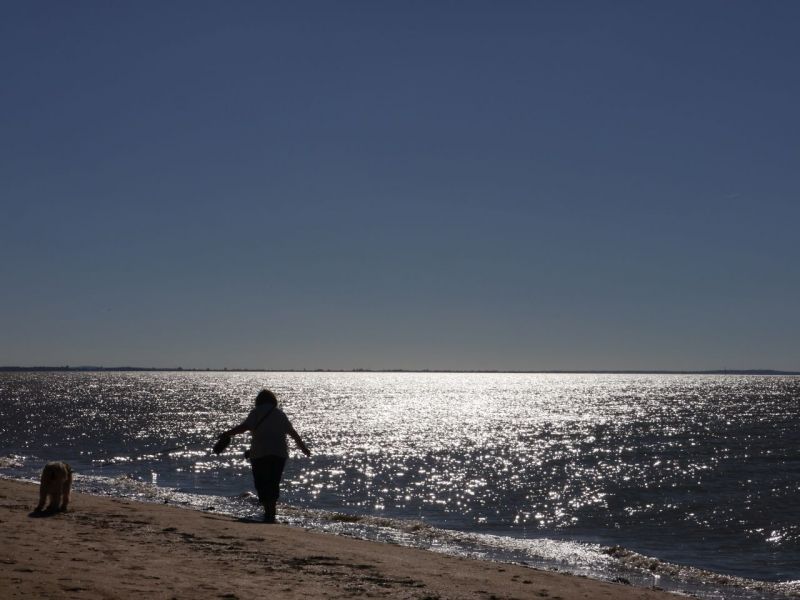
268	449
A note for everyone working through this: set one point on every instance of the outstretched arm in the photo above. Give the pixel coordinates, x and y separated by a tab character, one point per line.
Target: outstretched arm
235	431
299	441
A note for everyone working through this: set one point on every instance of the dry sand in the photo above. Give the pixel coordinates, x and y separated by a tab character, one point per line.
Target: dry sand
112	548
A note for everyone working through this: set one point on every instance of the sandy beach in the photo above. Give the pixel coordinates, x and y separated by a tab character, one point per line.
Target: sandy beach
113	548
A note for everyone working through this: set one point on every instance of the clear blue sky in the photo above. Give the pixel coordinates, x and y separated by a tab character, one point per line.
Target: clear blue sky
492	185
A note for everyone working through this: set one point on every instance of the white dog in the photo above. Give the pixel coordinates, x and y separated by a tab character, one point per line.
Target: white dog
56	483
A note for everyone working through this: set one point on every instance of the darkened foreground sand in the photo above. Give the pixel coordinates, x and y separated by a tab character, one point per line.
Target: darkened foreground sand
112	548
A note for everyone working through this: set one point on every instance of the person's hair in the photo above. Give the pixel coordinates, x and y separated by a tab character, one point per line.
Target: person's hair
266	397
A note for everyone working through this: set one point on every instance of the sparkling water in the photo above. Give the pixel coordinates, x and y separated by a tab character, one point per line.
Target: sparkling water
668	478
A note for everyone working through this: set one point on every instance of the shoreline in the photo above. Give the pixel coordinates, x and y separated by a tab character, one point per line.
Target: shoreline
117	548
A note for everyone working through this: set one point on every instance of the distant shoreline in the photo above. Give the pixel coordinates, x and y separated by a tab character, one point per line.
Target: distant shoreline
14	369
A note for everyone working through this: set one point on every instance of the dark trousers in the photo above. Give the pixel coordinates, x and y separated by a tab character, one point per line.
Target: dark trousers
267	473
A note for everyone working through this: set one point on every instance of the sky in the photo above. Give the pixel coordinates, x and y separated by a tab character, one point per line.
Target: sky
442	185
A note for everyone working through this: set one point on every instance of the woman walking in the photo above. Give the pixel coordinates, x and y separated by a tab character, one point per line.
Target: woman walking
268	449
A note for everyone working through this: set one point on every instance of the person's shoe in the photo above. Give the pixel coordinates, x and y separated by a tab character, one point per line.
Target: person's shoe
270	519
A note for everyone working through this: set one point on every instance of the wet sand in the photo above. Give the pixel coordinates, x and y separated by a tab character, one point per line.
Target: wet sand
113	548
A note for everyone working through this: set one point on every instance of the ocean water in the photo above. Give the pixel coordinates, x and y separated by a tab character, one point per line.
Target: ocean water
687	482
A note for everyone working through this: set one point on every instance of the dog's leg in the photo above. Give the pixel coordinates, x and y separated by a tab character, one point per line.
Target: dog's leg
55	497
67	488
42	495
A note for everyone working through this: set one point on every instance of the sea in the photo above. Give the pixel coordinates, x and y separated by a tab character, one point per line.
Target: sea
688	483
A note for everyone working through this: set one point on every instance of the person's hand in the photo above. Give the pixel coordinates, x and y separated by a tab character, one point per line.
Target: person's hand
223	441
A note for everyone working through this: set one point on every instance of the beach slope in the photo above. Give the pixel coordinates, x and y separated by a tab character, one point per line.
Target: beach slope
113	548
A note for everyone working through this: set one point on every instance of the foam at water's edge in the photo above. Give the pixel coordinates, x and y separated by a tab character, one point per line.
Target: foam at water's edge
577	558
641	562
12	461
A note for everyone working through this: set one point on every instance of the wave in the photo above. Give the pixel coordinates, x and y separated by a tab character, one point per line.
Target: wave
12	461
641	562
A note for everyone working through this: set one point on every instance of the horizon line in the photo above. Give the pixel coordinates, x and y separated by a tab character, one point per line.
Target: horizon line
98	368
